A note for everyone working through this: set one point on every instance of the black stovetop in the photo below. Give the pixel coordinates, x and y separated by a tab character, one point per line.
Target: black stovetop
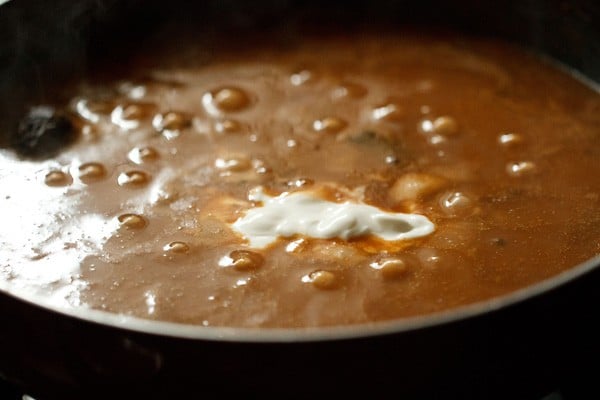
569	391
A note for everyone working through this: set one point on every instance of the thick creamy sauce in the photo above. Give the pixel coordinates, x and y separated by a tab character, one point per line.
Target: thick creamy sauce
339	181
306	214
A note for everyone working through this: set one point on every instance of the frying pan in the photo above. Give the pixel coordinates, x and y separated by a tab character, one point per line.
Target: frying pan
524	345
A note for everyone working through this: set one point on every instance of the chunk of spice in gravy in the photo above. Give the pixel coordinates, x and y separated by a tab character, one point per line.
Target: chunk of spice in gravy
495	149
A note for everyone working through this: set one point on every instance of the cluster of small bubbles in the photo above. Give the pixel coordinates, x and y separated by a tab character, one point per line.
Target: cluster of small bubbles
176	247
391	267
132	221
228	126
301	77
388	112
455	203
133	178
520	168
233	163
57	178
242	260
91	172
141	155
329	125
228	99
321	279
509	139
348	89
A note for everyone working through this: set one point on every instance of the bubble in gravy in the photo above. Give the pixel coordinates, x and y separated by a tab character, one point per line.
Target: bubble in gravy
176	247
128	116
445	125
520	168
57	178
133	178
321	279
91	172
233	163
329	125
391	267
392	112
455	203
242	260
132	221
348	90
301	77
91	110
142	155
170	124
228	126
226	99
510	139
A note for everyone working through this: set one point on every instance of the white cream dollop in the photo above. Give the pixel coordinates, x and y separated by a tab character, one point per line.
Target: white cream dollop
302	213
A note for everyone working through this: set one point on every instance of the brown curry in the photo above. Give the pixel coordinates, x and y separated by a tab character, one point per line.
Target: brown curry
499	149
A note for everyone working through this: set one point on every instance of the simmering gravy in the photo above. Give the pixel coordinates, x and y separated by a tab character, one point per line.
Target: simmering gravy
498	150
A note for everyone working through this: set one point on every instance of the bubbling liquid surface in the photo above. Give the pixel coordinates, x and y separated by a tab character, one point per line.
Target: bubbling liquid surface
494	146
